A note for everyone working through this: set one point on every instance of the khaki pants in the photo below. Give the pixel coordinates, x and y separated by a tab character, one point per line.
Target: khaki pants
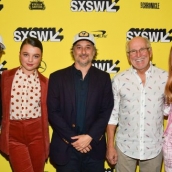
128	164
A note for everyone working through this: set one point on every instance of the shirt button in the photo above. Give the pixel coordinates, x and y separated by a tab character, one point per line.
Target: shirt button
73	125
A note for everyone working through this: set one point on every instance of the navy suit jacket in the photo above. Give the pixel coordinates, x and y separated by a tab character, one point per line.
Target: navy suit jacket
62	112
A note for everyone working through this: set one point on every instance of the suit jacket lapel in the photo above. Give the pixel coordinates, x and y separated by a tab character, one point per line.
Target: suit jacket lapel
70	84
43	87
7	88
92	84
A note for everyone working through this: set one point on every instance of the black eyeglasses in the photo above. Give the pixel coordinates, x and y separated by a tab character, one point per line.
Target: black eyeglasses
141	51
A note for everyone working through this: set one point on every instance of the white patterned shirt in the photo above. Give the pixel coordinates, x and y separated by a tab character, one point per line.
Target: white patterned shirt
25	96
138	111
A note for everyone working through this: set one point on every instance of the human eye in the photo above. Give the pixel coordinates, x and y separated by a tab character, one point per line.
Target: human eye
143	50
132	52
36	56
88	47
25	54
78	47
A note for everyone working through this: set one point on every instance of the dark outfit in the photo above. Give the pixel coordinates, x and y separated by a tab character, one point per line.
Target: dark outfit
81	90
0	108
77	106
0	102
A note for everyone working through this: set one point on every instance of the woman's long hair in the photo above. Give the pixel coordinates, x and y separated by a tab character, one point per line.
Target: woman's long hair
168	87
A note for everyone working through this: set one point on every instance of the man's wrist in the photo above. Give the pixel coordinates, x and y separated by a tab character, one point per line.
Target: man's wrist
110	146
90	137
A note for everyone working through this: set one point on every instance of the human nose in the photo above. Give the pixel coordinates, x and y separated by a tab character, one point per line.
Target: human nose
83	50
30	59
138	53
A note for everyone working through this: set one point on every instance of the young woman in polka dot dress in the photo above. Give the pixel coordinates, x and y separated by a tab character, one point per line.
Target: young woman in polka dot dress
24	133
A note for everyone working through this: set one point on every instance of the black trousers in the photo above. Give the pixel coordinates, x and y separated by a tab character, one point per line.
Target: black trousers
81	162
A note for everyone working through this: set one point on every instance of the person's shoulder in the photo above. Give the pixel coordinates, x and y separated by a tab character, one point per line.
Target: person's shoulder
158	70
10	71
60	71
122	74
42	77
98	71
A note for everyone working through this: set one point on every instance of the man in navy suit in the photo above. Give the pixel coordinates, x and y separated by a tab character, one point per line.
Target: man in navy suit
80	101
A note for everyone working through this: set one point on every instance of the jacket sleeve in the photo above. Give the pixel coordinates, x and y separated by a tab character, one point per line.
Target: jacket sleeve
55	112
97	130
0	103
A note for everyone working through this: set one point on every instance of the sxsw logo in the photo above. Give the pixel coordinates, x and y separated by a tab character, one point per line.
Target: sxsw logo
1	6
43	34
94	5
154	35
106	65
2	65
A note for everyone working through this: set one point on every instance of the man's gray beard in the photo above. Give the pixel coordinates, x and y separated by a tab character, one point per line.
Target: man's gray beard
83	64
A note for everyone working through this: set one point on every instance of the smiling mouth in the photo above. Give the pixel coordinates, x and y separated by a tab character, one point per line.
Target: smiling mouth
83	57
139	60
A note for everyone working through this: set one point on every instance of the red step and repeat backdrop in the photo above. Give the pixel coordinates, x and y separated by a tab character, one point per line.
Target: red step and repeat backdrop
112	22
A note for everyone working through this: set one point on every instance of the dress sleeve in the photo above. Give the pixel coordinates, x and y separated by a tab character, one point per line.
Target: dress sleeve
167	109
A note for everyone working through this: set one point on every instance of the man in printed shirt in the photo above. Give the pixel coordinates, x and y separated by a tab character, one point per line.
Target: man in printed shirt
138	112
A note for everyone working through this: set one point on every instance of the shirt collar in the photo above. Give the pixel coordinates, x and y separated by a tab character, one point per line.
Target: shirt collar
148	72
78	71
32	75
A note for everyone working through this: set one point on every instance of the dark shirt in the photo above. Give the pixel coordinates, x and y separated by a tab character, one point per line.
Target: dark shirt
0	102
81	91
